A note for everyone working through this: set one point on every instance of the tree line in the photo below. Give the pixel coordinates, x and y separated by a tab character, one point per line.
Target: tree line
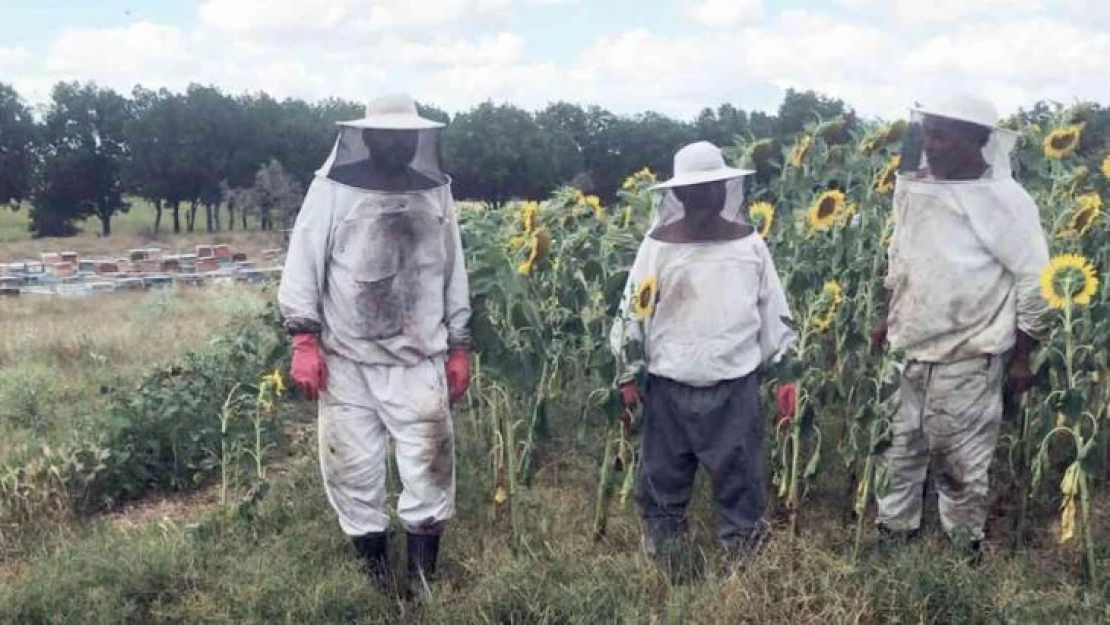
206	159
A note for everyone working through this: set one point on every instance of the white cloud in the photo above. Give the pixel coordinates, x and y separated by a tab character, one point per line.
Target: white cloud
722	13
941	11
504	48
128	50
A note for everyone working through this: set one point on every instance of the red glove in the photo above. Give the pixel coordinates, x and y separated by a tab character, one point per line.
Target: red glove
630	395
786	398
458	374
309	370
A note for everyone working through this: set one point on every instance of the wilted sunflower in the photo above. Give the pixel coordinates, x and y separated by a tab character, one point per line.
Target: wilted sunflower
1088	207
1069	279
538	247
643	298
528	212
763	214
828	305
885	182
799	151
829	207
1106	166
1060	143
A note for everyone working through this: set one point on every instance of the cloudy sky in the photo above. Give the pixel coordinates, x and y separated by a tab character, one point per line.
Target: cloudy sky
674	56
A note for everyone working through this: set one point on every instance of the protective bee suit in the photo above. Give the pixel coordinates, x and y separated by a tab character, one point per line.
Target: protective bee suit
703	309
965	308
375	293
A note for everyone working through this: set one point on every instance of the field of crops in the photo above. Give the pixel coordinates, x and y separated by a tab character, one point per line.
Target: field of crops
546	531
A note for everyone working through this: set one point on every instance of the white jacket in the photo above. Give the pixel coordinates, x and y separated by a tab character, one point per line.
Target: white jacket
380	275
964	270
719	313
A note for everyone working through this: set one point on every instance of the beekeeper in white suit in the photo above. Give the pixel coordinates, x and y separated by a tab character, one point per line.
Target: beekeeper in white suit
964	306
375	294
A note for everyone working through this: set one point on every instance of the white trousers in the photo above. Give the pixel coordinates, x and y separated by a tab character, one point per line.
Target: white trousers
949	413
363	404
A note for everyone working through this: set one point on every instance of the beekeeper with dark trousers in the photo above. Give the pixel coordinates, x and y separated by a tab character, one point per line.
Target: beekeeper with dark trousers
375	294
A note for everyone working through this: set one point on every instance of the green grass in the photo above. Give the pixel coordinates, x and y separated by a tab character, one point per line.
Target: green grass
291	564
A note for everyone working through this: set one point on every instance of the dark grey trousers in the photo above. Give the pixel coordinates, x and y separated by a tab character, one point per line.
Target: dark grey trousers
720	428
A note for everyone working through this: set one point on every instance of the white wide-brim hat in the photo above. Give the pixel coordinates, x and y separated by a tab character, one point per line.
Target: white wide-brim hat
699	163
393	112
964	107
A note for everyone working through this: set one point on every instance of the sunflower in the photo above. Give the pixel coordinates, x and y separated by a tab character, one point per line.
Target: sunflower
1088	207
763	214
643	299
1069	279
829	207
538	246
828	305
1060	143
885	182
799	151
644	176
527	213
594	203
883	137
1106	166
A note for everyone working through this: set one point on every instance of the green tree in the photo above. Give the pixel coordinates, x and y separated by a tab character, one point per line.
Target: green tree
85	152
499	152
17	136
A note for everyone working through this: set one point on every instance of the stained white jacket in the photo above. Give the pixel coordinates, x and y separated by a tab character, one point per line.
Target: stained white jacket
380	275
964	267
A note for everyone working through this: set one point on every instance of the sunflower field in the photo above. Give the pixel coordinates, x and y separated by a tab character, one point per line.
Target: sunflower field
547	276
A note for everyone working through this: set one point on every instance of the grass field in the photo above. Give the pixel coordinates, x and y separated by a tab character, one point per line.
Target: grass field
185	560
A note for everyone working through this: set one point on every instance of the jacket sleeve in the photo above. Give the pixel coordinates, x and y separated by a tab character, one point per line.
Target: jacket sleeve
456	285
776	337
305	271
627	335
1010	228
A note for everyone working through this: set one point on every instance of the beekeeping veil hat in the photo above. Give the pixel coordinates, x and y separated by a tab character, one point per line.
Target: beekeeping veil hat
697	164
971	118
392	149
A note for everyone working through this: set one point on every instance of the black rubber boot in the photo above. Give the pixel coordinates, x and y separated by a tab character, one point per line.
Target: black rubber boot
373	551
422	551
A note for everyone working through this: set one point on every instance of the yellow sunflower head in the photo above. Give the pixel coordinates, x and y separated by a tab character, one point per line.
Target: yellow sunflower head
826	210
1069	279
885	182
594	203
1060	143
763	215
539	244
527	214
1106	166
799	151
640	178
643	297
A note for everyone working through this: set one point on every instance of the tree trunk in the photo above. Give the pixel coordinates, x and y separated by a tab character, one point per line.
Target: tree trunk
209	227
192	215
105	224
157	215
216	216
231	216
243	215
176	217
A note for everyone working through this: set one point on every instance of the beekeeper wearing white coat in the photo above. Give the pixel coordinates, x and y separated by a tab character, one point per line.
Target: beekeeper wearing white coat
375	294
965	308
